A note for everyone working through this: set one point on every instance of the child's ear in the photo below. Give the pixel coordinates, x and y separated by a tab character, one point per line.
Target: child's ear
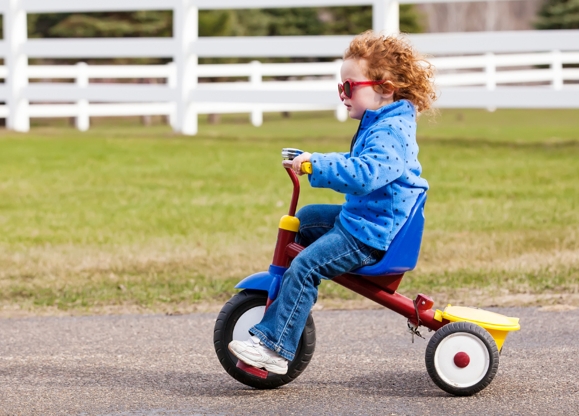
388	88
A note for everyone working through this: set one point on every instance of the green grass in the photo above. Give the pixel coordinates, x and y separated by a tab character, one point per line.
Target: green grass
128	216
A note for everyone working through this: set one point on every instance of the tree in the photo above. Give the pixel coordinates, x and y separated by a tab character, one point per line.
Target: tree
255	22
310	21
96	25
558	14
276	22
411	20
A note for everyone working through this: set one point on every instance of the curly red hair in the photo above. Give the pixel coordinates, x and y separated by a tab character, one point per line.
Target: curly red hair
392	58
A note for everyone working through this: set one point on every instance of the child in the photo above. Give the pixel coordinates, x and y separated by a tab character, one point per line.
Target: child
384	84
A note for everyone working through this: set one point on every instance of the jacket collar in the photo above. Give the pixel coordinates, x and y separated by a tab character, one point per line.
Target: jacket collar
401	108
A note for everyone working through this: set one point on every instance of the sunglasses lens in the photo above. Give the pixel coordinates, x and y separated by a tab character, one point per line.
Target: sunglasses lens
347	89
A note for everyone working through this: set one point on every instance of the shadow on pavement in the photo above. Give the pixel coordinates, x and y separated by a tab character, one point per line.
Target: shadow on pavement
392	383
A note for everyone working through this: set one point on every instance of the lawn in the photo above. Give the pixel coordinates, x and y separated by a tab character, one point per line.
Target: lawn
131	218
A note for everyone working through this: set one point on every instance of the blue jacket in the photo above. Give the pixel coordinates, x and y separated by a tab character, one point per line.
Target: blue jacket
380	175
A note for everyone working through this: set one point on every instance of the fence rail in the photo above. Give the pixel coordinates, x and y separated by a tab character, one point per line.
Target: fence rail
537	62
308	86
296	46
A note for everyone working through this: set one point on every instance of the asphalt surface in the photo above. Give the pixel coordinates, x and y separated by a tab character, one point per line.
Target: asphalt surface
365	364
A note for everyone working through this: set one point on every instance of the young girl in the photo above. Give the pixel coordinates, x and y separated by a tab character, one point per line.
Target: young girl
384	84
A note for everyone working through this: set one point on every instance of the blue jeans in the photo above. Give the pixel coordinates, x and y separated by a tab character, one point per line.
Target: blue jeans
330	251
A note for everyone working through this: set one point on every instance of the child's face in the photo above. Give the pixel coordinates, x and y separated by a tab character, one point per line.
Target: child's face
363	96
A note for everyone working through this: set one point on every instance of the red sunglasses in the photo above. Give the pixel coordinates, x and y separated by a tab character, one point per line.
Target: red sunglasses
348	86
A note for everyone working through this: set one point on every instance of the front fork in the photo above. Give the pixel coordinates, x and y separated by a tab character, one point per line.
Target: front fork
288	228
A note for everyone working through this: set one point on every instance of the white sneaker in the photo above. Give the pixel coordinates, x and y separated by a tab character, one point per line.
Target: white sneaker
253	352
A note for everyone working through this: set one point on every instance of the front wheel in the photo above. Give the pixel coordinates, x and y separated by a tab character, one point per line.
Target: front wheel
237	316
462	358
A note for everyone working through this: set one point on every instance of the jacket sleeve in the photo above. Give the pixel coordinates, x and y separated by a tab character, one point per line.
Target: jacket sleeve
379	162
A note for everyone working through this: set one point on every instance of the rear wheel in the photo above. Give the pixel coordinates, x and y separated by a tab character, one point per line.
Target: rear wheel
237	316
462	358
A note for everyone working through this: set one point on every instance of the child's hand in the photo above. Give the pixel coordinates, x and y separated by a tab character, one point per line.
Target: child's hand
297	162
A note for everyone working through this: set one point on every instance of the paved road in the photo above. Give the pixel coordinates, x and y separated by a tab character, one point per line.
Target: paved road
364	364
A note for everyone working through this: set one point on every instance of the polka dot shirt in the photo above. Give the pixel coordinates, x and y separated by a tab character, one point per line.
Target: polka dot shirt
380	177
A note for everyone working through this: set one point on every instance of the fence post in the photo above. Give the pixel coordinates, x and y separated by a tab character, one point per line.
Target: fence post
557	68
15	37
491	75
82	118
491	71
255	79
386	16
185	32
172	83
341	110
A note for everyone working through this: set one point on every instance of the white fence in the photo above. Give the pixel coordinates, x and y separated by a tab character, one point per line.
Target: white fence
498	77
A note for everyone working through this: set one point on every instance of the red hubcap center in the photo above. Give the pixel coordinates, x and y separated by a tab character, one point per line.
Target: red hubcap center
461	359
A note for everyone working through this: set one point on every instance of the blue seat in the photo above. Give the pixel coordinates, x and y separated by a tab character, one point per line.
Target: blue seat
402	255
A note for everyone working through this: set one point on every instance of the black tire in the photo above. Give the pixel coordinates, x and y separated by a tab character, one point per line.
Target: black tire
223	335
448	376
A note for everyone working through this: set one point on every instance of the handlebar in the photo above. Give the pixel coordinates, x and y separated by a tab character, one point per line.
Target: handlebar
306	166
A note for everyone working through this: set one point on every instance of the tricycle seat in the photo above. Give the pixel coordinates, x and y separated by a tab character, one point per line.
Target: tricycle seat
402	255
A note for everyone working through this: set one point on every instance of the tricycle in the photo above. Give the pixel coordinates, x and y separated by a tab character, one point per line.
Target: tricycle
462	356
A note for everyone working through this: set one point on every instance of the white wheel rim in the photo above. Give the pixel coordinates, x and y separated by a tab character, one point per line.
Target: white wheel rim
247	320
477	352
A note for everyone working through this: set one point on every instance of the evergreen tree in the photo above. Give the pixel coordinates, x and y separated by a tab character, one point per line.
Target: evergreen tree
255	22
316	21
558	14
215	22
98	25
411	21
